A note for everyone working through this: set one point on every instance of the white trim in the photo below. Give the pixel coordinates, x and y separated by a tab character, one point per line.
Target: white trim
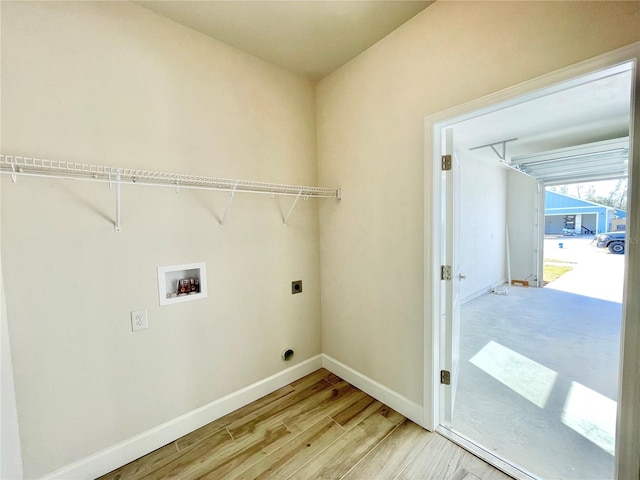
482	292
511	470
432	263
392	399
564	209
135	447
628	422
628	443
563	79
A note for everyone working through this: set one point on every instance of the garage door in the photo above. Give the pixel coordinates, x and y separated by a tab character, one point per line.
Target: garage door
553	224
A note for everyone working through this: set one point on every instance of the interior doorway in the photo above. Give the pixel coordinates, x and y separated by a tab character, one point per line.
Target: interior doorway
528	379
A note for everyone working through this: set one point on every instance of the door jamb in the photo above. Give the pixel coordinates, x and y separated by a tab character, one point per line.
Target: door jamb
628	444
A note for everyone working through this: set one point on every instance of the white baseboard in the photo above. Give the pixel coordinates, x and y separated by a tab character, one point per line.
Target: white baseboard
392	399
135	447
480	293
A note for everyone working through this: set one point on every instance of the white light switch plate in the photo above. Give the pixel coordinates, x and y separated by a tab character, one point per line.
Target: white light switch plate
139	320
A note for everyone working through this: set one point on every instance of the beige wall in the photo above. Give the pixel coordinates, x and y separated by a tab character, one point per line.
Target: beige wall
371	141
10	454
111	83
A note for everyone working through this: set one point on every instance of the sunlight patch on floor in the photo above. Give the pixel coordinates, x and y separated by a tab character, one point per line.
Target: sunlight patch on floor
522	375
592	415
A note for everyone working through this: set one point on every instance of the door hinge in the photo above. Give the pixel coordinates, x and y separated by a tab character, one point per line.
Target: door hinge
446	162
445	377
445	272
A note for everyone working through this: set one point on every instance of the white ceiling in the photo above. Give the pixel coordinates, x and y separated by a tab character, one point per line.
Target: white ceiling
311	38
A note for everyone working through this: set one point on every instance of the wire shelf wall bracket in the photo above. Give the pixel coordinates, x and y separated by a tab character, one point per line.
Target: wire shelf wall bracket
286	218
15	166
226	211
117	225
502	155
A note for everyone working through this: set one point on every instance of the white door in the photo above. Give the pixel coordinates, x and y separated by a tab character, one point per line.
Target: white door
523	220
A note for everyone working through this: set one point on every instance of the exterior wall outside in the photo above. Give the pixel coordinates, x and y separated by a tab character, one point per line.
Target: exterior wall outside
557	200
555	223
602	220
618	224
557	206
617	220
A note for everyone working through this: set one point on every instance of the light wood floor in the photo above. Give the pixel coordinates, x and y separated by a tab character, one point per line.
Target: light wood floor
318	427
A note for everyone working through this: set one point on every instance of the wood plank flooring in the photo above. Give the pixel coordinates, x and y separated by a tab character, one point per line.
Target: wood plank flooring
319	427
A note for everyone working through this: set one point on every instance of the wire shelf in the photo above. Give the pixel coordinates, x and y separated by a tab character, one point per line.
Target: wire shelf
15	166
39	167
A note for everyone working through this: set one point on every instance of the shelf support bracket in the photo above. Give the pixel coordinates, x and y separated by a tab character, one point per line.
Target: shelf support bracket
117	225
231	195
502	155
292	207
14	177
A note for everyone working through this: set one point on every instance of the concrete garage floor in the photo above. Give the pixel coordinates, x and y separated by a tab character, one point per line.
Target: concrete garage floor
539	368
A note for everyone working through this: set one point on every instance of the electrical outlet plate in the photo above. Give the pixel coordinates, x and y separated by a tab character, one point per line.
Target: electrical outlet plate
296	286
139	320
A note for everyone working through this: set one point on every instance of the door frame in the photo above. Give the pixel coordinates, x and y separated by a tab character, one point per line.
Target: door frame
627	459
